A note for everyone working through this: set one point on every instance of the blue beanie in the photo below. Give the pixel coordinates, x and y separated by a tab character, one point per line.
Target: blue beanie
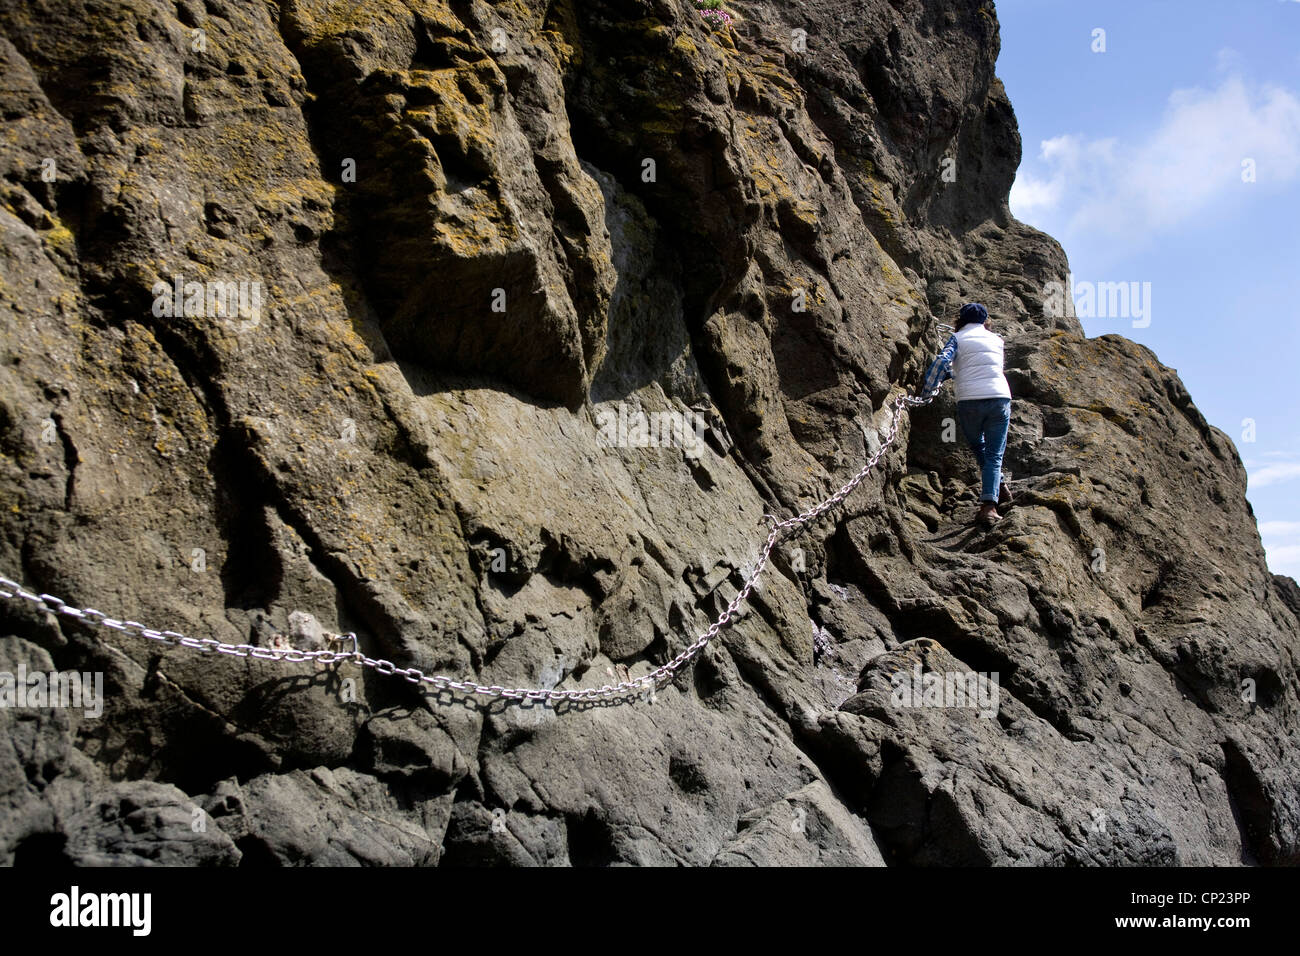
971	312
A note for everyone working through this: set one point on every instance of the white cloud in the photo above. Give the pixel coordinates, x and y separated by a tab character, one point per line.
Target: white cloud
1279	528
1191	159
1281	539
1282	545
1228	59
1285	561
1272	474
1029	195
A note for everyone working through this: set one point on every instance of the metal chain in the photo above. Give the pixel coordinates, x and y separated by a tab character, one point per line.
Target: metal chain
643	685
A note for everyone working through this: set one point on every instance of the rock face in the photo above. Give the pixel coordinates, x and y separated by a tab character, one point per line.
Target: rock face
471	236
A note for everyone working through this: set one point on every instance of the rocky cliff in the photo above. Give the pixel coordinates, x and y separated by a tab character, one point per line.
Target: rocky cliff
470	236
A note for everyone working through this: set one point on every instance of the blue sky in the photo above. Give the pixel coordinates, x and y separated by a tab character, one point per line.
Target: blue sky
1138	159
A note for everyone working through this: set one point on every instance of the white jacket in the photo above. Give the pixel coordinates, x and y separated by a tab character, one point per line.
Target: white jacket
977	367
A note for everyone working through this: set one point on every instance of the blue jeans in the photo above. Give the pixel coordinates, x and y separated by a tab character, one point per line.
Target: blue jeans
984	422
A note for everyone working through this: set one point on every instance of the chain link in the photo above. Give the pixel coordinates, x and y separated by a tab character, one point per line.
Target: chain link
644	685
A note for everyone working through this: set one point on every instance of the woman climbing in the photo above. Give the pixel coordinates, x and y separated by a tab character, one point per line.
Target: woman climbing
972	356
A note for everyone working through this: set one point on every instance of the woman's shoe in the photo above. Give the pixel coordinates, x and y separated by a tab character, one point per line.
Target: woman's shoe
988	514
1004	494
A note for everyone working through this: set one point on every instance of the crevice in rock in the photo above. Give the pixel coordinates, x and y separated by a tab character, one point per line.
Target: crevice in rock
256	853
42	851
591	840
70	460
840	782
1252	809
1153	593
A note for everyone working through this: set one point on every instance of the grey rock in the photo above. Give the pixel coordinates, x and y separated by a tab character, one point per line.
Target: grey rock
810	827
